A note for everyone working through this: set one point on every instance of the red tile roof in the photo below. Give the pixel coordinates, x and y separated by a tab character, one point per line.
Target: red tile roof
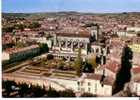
136	79
16	50
94	76
7	39
113	66
136	70
106	81
74	33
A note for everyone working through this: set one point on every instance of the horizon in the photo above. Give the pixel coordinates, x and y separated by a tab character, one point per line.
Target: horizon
81	6
69	12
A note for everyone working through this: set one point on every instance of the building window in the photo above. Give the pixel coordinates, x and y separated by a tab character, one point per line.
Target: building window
78	88
82	89
93	50
78	83
88	89
97	50
89	84
95	88
82	83
102	84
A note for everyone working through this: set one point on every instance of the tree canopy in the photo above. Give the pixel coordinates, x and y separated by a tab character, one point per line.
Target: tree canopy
92	61
43	48
88	95
124	74
78	63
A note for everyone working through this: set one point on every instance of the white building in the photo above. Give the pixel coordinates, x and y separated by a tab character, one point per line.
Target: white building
67	44
85	84
72	42
126	33
63	83
43	40
129	32
5	56
15	54
135	29
122	33
93	84
135	81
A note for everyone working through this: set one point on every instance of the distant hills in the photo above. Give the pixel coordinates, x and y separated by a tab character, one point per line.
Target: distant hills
54	14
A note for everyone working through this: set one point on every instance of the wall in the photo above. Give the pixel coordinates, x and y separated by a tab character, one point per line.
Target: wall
5	56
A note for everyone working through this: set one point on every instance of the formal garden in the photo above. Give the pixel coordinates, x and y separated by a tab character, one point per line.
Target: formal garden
77	66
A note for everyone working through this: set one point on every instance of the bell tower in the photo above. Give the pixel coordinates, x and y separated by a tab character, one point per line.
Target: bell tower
95	32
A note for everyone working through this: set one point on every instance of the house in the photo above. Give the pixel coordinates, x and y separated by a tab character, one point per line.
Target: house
110	69
135	29
42	40
135	81
128	32
7	40
135	46
96	84
122	33
5	56
89	83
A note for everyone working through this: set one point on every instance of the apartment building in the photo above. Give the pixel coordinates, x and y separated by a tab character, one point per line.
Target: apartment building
15	54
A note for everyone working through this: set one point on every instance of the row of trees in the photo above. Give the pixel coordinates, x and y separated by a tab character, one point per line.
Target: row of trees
78	63
28	90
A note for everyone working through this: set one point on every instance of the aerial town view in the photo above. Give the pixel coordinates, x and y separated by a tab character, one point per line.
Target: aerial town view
70	48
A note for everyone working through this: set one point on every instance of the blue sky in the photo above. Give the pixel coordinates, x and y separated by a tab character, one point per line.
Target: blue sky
100	6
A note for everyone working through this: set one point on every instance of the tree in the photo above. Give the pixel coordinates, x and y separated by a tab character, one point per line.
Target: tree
78	63
61	65
23	89
34	25
124	73
138	34
92	61
20	26
20	44
52	93
49	57
67	93
38	91
8	29
88	95
43	48
87	67
7	85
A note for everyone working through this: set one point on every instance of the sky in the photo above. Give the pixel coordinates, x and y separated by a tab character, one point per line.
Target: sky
97	6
